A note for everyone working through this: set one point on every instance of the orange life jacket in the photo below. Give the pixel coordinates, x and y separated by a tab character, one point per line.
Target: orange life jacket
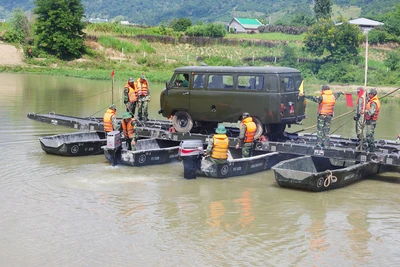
251	129
142	88
374	117
327	104
132	92
107	121
220	147
127	127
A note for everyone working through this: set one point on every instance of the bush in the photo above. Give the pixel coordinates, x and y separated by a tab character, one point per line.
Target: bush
337	72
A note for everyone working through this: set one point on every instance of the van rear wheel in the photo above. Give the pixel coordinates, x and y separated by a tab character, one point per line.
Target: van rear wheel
182	121
275	130
259	125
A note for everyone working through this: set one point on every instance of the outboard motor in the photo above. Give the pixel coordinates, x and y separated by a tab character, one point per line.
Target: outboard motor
191	152
113	144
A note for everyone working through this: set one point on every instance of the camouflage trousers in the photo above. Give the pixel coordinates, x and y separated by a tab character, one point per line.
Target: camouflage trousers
143	105
369	134
217	161
323	128
247	150
131	107
359	126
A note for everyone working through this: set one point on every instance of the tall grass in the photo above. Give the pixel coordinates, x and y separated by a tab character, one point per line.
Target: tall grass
127	47
272	36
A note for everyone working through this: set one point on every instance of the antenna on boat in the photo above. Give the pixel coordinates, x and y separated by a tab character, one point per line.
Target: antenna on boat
112	87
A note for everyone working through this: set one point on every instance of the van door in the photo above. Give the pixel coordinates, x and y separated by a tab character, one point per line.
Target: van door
178	95
212	101
289	98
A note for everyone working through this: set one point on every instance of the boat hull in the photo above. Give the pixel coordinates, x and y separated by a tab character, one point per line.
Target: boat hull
149	152
242	166
74	144
320	174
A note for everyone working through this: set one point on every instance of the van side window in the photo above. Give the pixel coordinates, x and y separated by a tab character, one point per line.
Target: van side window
297	82
272	83
220	81
198	81
180	80
289	83
253	82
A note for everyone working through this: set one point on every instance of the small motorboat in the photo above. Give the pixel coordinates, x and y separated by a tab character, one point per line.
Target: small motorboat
191	152
148	152
320	174
74	144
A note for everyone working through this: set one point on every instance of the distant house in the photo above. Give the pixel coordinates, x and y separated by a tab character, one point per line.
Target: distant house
244	25
2	20
97	20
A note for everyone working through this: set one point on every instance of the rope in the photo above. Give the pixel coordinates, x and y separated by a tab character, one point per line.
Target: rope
330	179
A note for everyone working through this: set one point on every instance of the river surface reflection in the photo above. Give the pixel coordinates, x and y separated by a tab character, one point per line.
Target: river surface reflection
63	211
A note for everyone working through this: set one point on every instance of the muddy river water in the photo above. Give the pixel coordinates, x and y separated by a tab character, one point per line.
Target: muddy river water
65	211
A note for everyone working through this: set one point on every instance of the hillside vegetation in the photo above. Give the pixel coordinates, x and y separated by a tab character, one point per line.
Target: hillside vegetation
155	12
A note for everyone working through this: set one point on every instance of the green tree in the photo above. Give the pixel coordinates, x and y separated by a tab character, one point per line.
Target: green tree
323	9
392	21
393	60
20	28
335	43
59	27
180	25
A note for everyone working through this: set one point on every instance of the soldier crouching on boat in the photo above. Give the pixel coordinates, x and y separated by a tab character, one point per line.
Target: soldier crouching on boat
128	125
218	146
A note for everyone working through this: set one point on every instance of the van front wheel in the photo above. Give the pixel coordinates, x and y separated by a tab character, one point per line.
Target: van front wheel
182	121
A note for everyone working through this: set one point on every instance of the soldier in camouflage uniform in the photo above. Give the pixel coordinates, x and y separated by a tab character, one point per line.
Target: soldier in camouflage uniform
246	136
371	116
218	146
326	102
360	109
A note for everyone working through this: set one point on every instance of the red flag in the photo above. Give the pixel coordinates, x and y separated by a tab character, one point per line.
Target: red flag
112	73
349	100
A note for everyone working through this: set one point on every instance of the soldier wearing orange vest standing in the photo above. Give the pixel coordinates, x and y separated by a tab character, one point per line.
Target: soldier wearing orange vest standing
248	130
143	93
371	116
110	119
128	125
326	103
130	96
218	145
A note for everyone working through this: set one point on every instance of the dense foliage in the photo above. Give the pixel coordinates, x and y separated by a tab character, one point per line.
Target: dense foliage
323	9
59	27
20	28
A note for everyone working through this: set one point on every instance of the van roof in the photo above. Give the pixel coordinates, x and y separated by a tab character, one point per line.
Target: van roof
241	69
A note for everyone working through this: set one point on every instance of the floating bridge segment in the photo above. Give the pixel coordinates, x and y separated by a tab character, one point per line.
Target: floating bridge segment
387	152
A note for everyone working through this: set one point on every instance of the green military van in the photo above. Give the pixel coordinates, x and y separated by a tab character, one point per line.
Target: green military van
202	96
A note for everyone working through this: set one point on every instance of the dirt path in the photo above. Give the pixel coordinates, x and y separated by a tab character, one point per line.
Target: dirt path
10	55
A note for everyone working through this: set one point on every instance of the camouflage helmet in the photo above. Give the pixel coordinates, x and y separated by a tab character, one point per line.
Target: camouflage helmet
126	115
372	91
245	115
325	87
112	106
131	80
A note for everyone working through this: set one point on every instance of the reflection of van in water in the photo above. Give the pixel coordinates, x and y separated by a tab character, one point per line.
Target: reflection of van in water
202	96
